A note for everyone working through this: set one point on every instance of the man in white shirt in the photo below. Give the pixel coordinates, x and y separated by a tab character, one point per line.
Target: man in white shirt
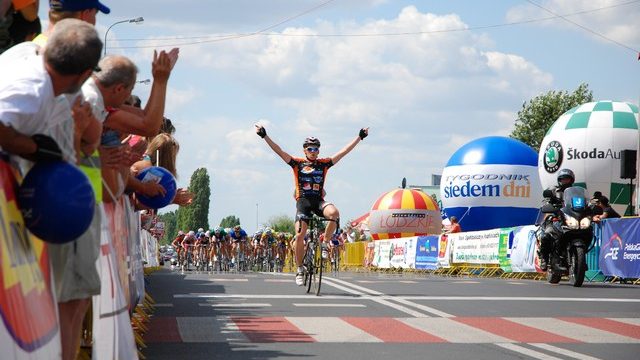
29	87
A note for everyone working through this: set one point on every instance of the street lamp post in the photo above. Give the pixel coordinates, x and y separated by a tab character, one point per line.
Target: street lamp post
137	20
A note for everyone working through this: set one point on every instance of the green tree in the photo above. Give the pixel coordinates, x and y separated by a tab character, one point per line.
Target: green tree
229	222
281	223
196	215
170	221
536	117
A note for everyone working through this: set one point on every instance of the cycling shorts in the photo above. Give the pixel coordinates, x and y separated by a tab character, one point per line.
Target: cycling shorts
305	207
335	242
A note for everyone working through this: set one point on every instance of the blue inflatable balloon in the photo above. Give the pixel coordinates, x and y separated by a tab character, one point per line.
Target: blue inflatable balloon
492	182
163	177
57	201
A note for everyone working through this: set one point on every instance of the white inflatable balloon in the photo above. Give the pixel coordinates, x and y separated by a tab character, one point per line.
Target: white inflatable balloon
588	139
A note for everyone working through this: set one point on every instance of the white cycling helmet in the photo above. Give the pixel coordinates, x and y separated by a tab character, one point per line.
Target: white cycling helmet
191	233
180	232
200	230
207	233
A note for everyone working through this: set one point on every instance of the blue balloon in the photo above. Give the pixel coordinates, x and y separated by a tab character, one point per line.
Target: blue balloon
163	177
492	182
57	201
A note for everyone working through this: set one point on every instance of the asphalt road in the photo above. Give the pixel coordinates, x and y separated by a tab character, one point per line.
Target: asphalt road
381	316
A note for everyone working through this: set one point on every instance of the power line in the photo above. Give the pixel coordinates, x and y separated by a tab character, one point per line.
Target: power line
584	27
224	37
237	36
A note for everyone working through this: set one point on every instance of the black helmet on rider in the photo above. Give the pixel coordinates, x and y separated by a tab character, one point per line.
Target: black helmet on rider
311	141
566	178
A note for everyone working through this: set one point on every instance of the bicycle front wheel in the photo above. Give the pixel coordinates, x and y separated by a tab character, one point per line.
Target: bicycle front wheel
318	265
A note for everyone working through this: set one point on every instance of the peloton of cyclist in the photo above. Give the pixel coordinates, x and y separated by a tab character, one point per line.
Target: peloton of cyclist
281	248
219	239
188	244
256	245
202	246
309	176
239	237
177	244
267	241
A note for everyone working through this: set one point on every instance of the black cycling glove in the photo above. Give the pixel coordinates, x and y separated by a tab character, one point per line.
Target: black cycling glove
363	134
47	148
262	132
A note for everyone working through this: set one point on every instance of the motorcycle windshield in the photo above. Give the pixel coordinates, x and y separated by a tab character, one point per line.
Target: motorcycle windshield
575	198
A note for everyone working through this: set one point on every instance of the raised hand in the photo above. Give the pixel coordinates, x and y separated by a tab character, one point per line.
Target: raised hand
364	132
261	131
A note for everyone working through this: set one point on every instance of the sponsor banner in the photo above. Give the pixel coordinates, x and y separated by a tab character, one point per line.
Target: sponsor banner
504	249
382	254
524	251
444	251
427	252
29	328
404	221
491	185
403	253
475	247
620	250
395	253
112	332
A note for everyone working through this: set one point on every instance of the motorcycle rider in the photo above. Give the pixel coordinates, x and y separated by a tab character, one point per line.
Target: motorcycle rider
550	230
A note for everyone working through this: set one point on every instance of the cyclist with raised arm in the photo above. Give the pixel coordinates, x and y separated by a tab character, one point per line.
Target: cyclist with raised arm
309	176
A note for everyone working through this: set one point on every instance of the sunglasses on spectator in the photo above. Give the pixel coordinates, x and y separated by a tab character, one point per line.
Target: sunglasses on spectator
313	149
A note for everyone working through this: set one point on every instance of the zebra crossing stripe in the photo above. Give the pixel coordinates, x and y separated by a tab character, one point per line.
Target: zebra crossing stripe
514	330
392	330
609	325
489	330
454	331
270	330
580	332
331	330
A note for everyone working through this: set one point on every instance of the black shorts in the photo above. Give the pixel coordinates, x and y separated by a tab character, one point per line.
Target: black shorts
305	207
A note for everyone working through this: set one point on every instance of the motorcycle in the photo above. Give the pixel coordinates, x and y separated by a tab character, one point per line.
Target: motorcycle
572	219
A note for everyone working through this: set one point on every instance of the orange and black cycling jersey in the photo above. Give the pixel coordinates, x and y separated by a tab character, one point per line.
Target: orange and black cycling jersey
309	176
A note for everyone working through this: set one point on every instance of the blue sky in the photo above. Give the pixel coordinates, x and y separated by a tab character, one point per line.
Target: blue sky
422	95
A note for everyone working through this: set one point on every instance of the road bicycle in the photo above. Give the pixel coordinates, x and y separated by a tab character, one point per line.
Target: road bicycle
313	261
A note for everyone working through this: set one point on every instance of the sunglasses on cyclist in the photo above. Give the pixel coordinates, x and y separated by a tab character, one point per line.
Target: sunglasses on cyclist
313	149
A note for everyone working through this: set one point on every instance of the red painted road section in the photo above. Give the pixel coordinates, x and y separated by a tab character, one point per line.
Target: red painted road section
270	330
163	329
392	330
513	331
613	326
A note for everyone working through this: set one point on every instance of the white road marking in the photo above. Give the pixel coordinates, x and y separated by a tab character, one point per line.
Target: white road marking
360	296
515	283
324	329
278	280
565	352
379	300
630	321
571	330
424	308
454	331
237	305
524	351
220	279
327	305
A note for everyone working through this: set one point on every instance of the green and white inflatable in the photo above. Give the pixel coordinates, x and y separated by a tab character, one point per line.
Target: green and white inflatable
588	139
